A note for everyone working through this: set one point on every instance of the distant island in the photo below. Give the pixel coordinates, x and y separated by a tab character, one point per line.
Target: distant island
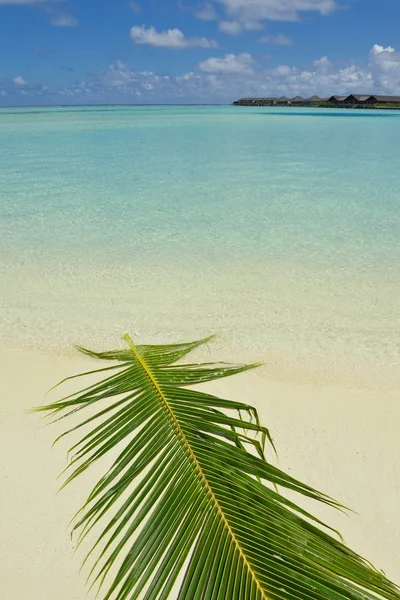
351	101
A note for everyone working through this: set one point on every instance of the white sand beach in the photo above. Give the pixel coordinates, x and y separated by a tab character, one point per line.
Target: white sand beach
341	440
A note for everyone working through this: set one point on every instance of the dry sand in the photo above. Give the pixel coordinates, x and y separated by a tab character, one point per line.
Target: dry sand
343	441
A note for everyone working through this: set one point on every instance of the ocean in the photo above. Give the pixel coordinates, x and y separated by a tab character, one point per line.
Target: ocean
276	229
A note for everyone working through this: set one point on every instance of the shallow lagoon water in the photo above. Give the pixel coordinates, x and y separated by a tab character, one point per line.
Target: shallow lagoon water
276	229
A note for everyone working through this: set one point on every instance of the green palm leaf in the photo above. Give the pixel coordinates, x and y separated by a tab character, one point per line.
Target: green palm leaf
190	494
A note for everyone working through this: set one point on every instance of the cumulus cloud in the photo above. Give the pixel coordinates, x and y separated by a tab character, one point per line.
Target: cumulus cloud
323	65
118	75
253	25
231	63
230	27
243	76
323	80
60	19
19	80
173	38
219	79
280	40
19	91
236	27
187	77
384	64
275	10
377	49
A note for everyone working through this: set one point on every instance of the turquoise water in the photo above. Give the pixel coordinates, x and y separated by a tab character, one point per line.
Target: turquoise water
278	229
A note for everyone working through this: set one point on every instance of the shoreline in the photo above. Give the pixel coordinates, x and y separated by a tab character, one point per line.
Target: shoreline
349	372
324	326
341	441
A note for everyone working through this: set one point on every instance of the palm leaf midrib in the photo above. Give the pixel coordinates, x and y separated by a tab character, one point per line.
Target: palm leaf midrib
192	457
199	493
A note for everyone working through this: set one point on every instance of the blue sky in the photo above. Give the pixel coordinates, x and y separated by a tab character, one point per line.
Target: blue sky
155	51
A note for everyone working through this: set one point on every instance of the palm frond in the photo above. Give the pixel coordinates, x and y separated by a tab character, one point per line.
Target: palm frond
192	495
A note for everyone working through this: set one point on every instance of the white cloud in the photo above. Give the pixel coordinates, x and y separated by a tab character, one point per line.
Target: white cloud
230	27
19	80
377	49
207	13
280	40
236	76
275	10
118	75
60	19
188	76
231	63
323	65
173	38
253	25
384	64
236	27
323	80
220	79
